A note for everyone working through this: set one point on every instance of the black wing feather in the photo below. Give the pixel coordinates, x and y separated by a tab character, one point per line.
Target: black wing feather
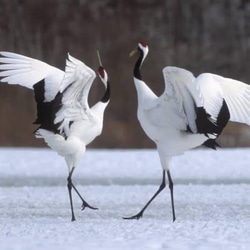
46	111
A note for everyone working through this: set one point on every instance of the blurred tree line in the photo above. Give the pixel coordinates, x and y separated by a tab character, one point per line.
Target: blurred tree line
199	35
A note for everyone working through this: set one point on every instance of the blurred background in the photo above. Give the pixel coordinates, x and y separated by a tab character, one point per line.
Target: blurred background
199	35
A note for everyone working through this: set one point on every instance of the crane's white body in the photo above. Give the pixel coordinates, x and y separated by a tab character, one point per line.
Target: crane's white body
79	124
158	122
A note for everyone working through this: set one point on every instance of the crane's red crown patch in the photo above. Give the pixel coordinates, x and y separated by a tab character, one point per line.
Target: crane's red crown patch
143	43
101	72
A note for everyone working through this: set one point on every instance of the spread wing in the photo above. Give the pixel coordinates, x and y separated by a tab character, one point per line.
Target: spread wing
184	97
74	89
26	71
182	94
215	88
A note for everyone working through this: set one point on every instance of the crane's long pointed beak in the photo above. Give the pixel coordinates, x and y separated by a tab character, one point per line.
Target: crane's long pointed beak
133	52
99	57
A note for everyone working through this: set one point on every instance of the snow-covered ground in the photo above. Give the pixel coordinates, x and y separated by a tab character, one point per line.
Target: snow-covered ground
212	198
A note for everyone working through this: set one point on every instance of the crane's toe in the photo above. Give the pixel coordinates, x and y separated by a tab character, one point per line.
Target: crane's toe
137	217
85	204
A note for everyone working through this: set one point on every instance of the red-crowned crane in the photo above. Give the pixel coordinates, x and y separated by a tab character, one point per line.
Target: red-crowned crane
66	122
190	112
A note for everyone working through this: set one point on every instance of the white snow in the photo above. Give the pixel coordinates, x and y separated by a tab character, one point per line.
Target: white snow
212	198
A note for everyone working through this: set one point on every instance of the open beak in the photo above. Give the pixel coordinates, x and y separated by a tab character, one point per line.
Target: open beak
133	52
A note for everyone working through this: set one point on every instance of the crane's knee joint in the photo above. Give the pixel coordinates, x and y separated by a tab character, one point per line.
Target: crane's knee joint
69	183
163	185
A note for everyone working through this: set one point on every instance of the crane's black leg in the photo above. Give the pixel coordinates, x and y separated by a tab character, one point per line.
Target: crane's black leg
84	203
161	187
70	193
70	186
171	187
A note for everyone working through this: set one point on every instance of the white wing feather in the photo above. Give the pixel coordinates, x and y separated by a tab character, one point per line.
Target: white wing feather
75	87
76	82
236	94
26	71
182	90
180	86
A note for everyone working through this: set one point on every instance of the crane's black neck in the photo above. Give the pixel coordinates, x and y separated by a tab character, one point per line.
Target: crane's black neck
106	96
137	68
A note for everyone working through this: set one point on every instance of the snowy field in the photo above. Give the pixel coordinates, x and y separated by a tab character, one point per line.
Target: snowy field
212	198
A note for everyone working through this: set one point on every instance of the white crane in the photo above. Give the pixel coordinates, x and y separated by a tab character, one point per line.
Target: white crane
67	123
190	112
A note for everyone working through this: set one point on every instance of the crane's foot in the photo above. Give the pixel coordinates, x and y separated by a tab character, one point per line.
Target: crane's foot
85	204
135	217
